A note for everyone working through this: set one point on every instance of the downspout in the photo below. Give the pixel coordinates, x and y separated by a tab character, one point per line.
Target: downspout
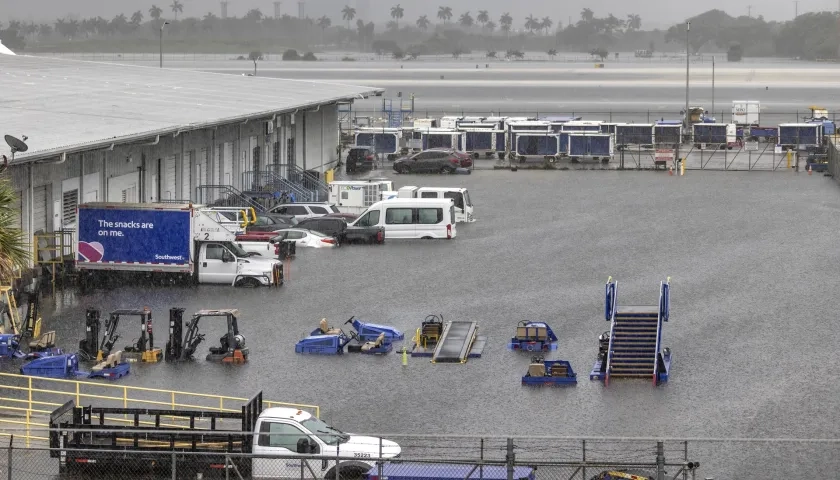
182	170
31	215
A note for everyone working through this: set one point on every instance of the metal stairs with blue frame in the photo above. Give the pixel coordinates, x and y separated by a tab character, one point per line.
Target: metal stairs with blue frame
635	349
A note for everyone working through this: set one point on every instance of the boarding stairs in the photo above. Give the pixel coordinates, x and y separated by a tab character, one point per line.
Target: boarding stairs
265	181
304	179
225	196
635	337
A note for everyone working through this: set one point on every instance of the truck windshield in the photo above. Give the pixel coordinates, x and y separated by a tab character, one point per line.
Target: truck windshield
236	250
326	433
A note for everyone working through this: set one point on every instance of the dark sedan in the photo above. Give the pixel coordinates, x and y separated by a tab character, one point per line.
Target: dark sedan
269	222
444	160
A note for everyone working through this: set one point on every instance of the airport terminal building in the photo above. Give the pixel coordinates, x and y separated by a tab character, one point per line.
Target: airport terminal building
120	133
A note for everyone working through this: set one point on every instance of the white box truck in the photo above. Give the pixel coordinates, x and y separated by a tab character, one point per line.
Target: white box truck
746	112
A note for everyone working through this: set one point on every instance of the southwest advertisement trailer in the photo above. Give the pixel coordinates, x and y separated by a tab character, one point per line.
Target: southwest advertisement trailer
134	236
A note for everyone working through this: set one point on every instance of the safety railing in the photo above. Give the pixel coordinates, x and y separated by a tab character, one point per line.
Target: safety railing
663	308
612	287
53	247
9	312
306	179
269	181
224	196
27	402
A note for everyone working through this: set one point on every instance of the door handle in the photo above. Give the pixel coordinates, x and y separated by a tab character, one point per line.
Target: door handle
204	264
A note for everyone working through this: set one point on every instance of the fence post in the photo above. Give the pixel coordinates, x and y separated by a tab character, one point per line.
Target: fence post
174	466
510	459
379	462
660	461
337	460
583	467
11	443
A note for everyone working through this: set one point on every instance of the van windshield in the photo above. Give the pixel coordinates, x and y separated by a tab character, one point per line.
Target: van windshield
467	199
236	250
456	197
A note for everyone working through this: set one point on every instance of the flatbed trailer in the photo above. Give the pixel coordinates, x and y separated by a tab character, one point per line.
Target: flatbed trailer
92	437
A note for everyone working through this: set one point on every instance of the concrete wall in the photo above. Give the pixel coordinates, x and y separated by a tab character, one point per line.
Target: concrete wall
138	172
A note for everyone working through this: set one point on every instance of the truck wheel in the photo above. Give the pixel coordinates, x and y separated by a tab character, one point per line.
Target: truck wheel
248	282
349	472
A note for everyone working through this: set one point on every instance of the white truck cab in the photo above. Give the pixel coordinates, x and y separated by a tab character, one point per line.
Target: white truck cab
459	196
288	433
227	263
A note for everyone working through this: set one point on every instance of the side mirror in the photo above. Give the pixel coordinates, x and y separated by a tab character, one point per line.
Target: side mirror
227	257
303	445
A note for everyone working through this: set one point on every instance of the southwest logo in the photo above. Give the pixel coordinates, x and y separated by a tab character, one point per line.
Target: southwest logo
91	252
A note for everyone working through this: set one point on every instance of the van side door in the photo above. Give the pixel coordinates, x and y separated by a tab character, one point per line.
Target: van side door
400	222
279	439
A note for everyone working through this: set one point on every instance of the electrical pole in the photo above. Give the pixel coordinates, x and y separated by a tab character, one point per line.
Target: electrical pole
795	9
713	85
687	55
749	11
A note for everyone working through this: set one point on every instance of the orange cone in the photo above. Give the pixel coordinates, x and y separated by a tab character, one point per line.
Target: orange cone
809	169
671	171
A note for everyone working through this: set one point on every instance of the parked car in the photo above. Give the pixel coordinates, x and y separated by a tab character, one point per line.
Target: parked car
305	210
338	228
442	160
270	222
359	158
305	238
349	217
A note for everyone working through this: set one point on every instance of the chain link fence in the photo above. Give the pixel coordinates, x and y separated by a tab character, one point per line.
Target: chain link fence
427	457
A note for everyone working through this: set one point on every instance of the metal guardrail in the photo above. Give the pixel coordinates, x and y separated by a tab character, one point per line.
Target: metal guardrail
304	178
26	400
269	181
224	196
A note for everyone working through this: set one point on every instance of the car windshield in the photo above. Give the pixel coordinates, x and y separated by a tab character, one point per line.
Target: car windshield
237	250
334	209
328	434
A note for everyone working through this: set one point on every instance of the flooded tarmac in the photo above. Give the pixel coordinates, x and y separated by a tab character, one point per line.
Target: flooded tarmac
751	260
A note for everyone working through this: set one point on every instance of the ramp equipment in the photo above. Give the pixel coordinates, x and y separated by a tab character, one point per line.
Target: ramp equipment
549	372
427	336
324	340
182	345
369	332
66	365
142	349
376	347
533	337
633	347
459	342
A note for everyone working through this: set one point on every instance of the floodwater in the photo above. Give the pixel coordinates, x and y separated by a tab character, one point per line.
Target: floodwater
751	259
751	256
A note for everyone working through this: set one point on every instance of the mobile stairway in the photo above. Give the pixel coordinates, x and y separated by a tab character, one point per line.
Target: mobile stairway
458	342
635	342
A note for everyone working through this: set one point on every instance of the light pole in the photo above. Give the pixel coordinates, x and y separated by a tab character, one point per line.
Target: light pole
161	42
713	85
687	53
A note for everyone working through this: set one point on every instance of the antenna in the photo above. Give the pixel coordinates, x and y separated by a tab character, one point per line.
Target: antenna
16	145
300	8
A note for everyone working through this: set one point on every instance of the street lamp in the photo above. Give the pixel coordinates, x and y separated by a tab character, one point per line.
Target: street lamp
161	42
687	53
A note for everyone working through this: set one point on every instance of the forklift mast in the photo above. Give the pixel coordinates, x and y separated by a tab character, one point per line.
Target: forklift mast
110	337
87	347
175	345
32	322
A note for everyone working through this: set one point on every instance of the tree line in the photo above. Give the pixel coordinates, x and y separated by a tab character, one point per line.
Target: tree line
813	35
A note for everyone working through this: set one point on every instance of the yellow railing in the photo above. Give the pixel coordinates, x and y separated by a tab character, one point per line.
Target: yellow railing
26	402
57	246
7	297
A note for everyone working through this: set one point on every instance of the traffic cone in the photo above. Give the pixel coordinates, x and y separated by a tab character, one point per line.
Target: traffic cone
671	170
809	169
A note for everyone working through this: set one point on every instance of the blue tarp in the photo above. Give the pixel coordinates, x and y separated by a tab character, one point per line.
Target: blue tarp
500	142
634	134
667	133
437	140
589	145
440	471
381	142
536	144
709	133
799	134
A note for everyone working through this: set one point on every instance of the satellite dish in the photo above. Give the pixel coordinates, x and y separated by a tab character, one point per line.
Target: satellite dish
16	144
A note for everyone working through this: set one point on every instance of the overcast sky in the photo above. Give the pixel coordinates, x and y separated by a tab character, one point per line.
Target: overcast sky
655	13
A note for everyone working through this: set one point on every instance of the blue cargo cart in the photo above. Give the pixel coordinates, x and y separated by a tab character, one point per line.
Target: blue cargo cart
441	471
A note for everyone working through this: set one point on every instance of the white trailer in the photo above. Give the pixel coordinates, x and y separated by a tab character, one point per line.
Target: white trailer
355	196
459	196
746	112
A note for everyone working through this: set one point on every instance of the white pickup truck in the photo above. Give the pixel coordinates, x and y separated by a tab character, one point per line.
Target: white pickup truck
278	442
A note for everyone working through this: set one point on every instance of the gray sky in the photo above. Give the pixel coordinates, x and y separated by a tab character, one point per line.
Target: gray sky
655	13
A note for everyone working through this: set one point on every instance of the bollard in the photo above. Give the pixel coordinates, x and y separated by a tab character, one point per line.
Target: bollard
789	154
682	167
404	357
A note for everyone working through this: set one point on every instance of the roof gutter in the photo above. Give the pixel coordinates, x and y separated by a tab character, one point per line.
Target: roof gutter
35	156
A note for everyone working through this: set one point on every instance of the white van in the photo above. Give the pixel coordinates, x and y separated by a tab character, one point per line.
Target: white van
411	218
461	197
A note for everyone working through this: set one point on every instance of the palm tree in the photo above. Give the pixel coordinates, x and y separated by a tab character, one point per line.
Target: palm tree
466	20
397	13
177	7
506	21
552	53
444	13
155	12
208	21
423	22
546	23
348	13
323	22
587	15
491	25
531	23
14	252
137	18
45	30
634	22
483	18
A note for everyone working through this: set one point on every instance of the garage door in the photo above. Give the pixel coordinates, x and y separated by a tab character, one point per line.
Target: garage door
39	209
186	176
201	168
168	182
227	170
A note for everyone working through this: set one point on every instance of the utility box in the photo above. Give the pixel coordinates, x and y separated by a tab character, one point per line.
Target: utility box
746	112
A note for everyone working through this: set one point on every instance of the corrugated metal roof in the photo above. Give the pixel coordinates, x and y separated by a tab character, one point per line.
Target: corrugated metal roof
68	105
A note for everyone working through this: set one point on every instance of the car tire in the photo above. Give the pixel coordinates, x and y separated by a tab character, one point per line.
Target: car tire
444	170
403	169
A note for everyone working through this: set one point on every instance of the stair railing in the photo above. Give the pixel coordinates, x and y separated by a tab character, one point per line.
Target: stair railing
611	288
664	308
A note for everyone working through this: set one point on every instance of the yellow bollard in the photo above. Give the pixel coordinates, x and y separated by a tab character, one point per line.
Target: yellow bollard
682	167
789	154
404	357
